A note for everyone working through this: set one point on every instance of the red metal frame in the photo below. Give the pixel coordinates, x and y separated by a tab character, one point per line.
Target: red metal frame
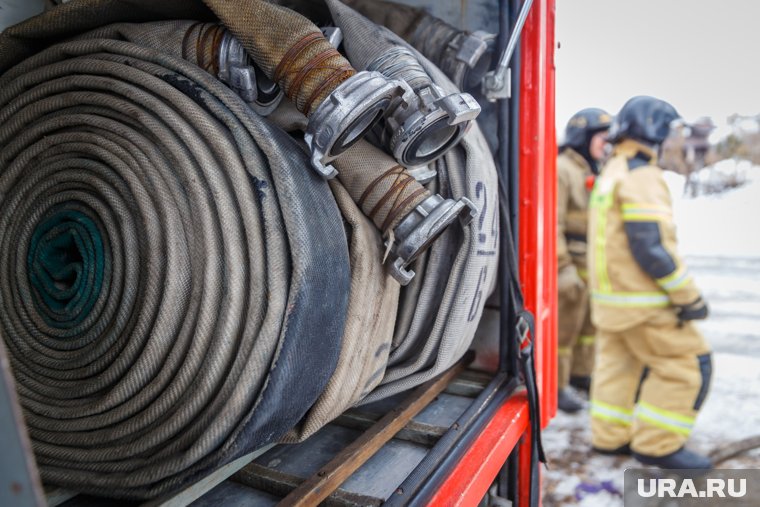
538	195
470	479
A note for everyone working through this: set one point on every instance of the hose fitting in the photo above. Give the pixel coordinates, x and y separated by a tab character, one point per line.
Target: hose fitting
348	113
421	228
467	58
463	56
340	104
435	122
238	71
407	214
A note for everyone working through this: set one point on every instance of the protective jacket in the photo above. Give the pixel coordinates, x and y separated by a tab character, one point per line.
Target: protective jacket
652	372
576	335
632	255
572	209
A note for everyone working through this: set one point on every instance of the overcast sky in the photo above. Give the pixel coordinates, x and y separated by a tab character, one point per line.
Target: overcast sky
703	56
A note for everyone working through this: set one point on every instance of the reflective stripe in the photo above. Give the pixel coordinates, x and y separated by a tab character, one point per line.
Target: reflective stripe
612	413
564	351
632	299
587	339
675	280
644	212
665	419
600	203
583	273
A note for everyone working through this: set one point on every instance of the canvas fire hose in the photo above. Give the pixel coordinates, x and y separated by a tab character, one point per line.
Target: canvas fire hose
170	266
151	275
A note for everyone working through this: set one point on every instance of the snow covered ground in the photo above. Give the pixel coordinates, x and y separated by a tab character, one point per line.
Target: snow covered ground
719	235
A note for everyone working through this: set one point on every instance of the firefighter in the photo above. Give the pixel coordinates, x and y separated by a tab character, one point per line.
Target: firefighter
653	366
577	165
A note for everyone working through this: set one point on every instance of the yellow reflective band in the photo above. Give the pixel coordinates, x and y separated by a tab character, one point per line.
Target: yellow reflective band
586	339
612	413
665	419
632	299
641	217
675	280
600	204
583	273
564	351
644	212
646	206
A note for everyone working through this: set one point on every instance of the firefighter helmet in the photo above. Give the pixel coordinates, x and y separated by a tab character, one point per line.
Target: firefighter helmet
644	119
583	125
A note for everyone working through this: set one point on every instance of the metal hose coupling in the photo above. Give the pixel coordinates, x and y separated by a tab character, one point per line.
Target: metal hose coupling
238	71
467	58
216	50
348	113
341	104
421	228
408	215
463	56
433	123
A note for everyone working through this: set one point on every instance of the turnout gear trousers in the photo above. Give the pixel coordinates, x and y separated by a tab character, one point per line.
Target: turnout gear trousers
576	333
652	372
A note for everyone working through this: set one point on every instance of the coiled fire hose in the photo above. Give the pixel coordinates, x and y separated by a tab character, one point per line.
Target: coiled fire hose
440	309
158	300
187	347
463	56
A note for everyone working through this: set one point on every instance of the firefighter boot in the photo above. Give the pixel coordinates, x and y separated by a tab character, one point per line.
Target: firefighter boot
581	382
623	450
681	459
568	401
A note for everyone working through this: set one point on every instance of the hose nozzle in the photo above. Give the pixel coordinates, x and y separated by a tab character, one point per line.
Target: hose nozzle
433	123
420	228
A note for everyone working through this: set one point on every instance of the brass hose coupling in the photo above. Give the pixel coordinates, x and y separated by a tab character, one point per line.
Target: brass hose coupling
420	228
238	71
421	130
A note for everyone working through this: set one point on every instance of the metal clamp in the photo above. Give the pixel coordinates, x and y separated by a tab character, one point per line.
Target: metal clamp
348	113
423	133
422	227
467	58
238	71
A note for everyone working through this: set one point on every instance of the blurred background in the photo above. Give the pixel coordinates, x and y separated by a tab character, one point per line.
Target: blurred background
700	56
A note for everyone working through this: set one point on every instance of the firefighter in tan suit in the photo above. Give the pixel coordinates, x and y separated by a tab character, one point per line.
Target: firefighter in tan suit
577	165
653	366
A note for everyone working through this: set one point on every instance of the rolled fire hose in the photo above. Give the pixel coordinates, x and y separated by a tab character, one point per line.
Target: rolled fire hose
463	56
159	302
439	311
430	123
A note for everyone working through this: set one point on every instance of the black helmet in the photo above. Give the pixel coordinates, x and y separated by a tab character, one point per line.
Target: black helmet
583	125
644	119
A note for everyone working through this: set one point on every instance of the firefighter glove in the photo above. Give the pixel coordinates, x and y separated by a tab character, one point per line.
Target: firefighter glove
696	310
569	283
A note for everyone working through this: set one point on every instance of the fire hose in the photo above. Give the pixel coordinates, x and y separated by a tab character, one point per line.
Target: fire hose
152	276
160	300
